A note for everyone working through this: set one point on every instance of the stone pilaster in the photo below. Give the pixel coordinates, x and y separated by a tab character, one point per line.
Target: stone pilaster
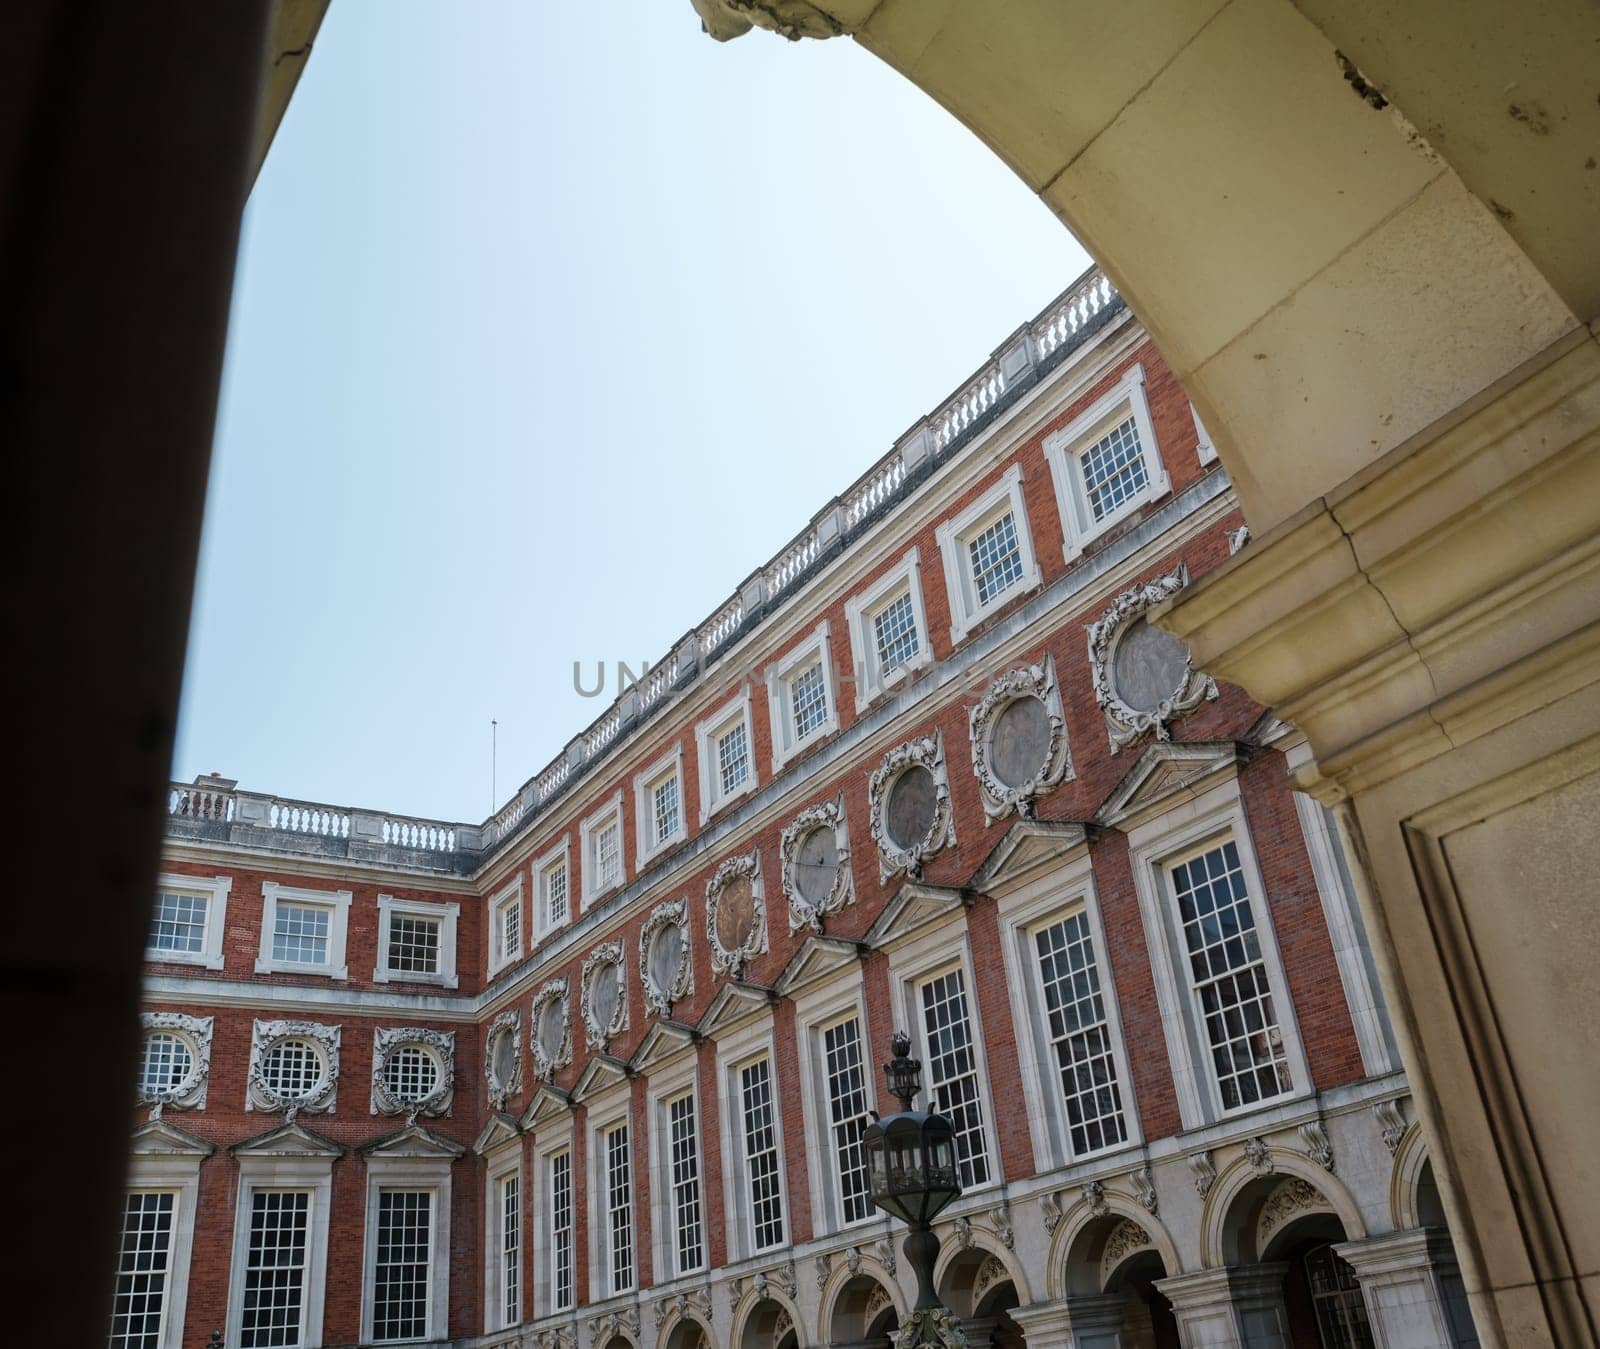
1413	1290
1087	1322
1240	1307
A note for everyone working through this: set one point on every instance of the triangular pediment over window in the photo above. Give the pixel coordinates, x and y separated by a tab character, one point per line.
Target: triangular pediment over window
288	1140
911	908
157	1138
663	1040
548	1103
1028	849
735	1001
603	1071
500	1130
1165	774
414	1141
818	957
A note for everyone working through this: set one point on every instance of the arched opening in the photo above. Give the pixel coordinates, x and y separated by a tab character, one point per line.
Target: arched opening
864	1314
769	1326
688	1334
978	1288
1112	1267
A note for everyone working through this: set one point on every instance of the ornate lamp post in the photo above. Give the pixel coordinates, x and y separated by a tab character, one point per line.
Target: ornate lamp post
911	1168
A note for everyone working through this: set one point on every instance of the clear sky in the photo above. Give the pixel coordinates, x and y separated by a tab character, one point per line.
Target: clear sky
552	323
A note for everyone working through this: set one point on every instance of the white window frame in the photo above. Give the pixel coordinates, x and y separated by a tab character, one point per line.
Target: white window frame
706	735
560	855
446	915
214	890
284	1173
550	1145
177	1175
503	1163
966	610
755	1040
587	830
1067	890
815	1012
668	766
861	612
606	1113
338	904
1063	450
667	1085
507	898
936	950
410	1173
1154	846
786	743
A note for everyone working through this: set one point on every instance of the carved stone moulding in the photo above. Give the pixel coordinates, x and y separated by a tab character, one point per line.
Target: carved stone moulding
666	972
816	875
1143	678
413	1071
909	797
294	1066
1125	1239
550	1028
1291	1198
603	994
175	1061
736	914
502	1058
1019	740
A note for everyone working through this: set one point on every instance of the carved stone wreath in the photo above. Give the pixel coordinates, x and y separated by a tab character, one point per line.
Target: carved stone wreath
554	993
730	882
597	1028
439	1045
189	1091
1037	682
506	1026
804	912
324	1041
659	995
897	856
1292	1197
1124	722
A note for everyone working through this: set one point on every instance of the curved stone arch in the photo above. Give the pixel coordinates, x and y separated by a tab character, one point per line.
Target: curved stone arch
1405	1179
1240	1174
750	1300
675	1318
611	1334
841	1277
1077	1221
986	1243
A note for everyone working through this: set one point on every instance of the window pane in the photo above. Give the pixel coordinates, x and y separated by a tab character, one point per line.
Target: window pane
138	1307
510	929
165	1063
847	1109
664	800
808	696
619	1208
1113	469
607	856
1227	974
1078	1032
179	924
996	559
894	630
761	1156
291	1069
411	1074
733	759
400	1281
952	1071
555	895
275	1268
510	1247
300	934
413	944
684	1142
561	1231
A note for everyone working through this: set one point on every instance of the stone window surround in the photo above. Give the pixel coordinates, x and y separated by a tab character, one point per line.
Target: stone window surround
283	1173
604	1112
756	1039
447	915
1067	889
338	904
410	1173
815	1011
215	889
502	1162
543	867
966	610
179	1175
1210	817
508	896
861	609
645	782
608	810
665	1085
706	733
551	1141
936	949
1062	452
189	1093
325	1039
816	646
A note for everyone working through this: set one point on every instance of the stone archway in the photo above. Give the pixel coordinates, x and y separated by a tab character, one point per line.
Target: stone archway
685	1332
766	1324
982	1287
862	1312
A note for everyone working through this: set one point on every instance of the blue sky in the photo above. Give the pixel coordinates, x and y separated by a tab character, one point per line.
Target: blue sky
552	322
